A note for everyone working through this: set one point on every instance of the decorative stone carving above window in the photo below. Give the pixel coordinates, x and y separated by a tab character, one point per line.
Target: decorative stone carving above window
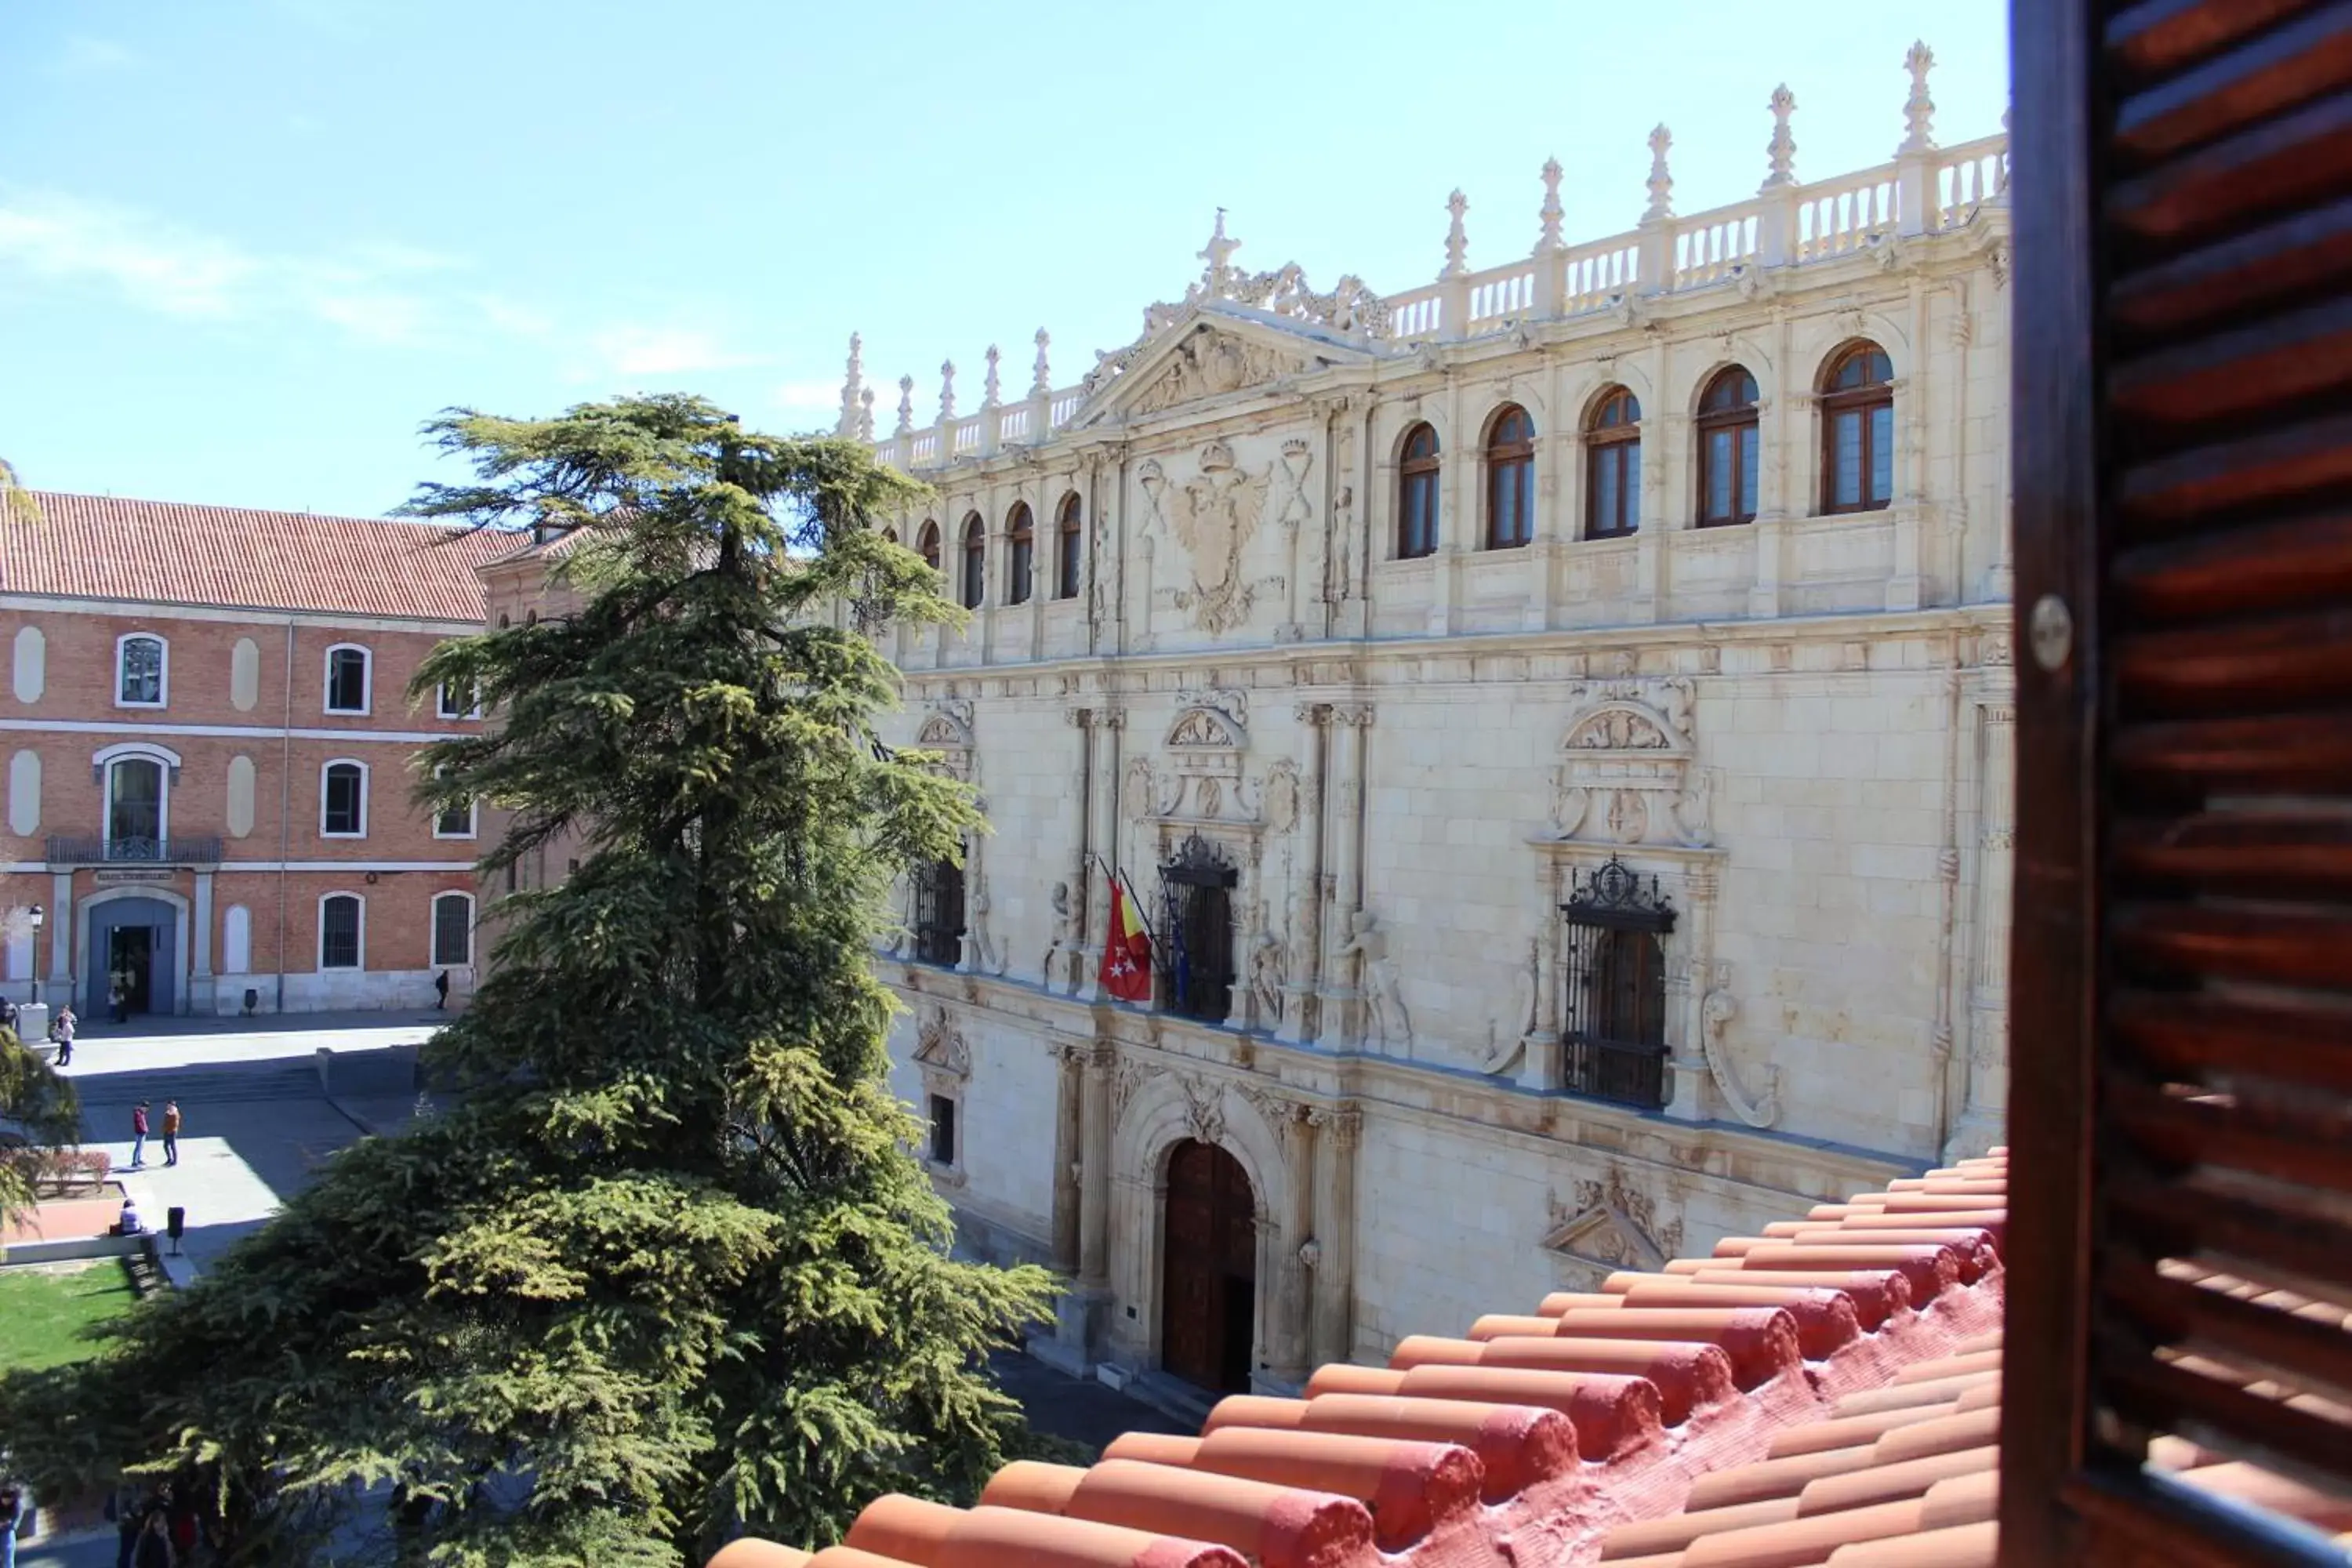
1627	773
1611	1227
947	729
1205	746
945	1063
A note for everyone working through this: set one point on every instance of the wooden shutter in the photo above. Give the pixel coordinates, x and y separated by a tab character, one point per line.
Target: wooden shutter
2181	1101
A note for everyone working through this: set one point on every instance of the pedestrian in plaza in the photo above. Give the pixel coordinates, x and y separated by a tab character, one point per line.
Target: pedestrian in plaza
11	1516
120	998
8	1014
129	1224
441	990
125	1508
138	1134
170	1133
61	1030
154	1548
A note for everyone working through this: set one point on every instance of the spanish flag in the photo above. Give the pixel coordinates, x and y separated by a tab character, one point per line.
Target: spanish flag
1127	950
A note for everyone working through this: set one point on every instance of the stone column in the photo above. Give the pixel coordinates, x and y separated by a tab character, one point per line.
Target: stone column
1068	1152
1294	1345
1983	1117
1082	1312
1540	1051
1335	1239
1306	890
200	979
1663	445
1343	1023
1686	997
60	926
1082	877
1102	811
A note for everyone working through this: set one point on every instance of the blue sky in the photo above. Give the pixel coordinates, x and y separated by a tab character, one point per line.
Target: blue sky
246	245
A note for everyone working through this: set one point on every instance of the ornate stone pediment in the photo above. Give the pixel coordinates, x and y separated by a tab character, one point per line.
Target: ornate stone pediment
945	728
940	1051
1626	773
1610	1227
1207	350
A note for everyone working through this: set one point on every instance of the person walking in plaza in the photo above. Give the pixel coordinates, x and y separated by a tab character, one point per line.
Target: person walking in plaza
170	1133
119	998
11	1516
154	1549
138	1134
61	1029
441	990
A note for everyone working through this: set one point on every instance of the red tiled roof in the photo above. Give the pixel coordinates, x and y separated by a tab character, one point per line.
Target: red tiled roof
232	557
1801	1398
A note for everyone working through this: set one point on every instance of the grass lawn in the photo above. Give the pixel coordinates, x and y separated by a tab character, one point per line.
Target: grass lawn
43	1308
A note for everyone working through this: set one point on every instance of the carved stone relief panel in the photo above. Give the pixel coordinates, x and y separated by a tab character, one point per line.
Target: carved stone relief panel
1626	773
1214	516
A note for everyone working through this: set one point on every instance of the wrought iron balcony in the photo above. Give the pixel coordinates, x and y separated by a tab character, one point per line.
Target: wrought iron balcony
1614	1070
134	851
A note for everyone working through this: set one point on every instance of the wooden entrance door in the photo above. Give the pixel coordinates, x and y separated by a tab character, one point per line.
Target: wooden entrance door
1209	1273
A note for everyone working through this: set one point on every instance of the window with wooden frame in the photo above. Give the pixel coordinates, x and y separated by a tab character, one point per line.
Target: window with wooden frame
1069	542
1417	471
1857	429
975	561
2179	1258
1020	532
937	916
1511	478
1727	442
931	545
1612	466
1614	1041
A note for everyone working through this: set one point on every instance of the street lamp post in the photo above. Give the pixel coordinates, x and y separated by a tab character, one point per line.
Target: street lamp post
37	918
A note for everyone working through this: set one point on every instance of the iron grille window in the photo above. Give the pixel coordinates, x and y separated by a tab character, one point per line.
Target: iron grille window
944	1129
1196	960
1614	1045
939	913
453	930
339	932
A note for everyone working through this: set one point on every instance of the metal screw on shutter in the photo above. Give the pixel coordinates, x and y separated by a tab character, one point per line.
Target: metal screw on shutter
2051	630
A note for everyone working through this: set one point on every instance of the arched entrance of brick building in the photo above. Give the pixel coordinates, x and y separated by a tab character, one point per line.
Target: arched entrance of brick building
1209	1269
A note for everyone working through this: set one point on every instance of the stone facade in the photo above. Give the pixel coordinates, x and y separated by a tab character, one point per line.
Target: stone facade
1790	736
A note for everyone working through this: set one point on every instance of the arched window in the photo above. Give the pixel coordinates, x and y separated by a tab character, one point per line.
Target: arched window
1858	430
889	536
1612	466
453	930
1511	478
343	800
975	561
343	931
140	672
347	678
136	808
1065	563
1022	532
457	821
930	538
1417	495
1727	450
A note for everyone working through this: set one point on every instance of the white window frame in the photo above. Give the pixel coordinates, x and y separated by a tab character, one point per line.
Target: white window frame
473	817
104	759
324	769
164	679
320	946
443	708
432	931
367	681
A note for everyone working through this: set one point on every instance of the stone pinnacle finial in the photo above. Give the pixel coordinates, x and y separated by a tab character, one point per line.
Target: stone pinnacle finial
1547	237
988	386
1042	381
906	405
1662	184
947	391
1783	148
1217	253
865	414
1918	109
851	384
1457	242
2001	183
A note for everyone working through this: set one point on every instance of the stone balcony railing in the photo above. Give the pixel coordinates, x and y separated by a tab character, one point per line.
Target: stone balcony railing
1925	190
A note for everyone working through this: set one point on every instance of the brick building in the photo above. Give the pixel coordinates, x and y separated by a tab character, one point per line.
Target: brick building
209	757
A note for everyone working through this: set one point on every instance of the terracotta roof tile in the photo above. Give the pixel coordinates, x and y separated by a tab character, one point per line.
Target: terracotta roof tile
1827	1392
236	558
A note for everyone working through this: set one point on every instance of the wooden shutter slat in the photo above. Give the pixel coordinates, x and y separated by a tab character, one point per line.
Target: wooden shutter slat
2229	90
2212	1130
2279	359
2234	1231
2289	753
2196	1037
2230	1420
2247	852
2247	178
2290	946
2243	1333
2278	465
2281	565
2163	36
2280	661
2294	257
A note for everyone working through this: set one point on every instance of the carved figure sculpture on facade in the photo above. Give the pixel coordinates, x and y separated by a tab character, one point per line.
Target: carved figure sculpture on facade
1385	1019
1269	967
1061	951
1716	1010
1506	1036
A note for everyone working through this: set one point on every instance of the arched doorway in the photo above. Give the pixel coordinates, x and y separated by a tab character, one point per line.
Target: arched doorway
132	938
1209	1269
